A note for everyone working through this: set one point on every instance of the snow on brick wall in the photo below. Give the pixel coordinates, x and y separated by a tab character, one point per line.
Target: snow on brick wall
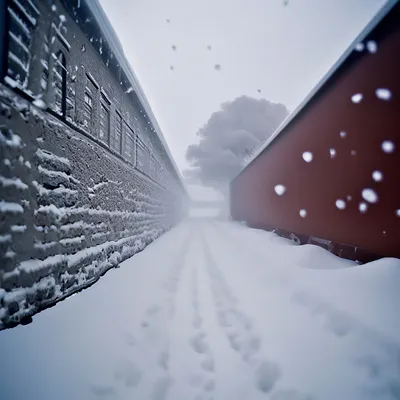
69	210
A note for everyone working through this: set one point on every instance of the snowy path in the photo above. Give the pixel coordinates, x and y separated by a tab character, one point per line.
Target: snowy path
215	311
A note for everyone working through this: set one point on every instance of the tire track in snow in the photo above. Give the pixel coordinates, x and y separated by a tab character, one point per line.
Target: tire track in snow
238	328
153	336
162	386
199	342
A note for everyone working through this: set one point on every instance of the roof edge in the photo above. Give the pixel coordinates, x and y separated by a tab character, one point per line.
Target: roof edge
383	11
112	38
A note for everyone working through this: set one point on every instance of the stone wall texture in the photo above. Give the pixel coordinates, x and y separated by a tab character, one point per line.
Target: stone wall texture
72	204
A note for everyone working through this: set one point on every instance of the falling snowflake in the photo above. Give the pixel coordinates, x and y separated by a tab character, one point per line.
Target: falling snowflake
372	46
356	98
383	94
360	46
173	47
217	67
208	47
369	195
280	190
363	207
168	21
171	67
303	213
332	152
388	146
377	176
340	204
307	156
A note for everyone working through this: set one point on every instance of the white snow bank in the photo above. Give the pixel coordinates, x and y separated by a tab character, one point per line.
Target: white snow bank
215	310
315	257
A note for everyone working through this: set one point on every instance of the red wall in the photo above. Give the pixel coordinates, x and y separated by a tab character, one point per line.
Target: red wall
316	186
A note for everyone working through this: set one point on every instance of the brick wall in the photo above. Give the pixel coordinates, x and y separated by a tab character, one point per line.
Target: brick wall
71	207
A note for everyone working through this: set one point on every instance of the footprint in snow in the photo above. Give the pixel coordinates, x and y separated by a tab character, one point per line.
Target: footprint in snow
203	397
209	386
163	360
153	310
235	342
128	372
267	374
198	344
252	347
223	319
207	364
301	298
161	388
196	380
338	324
289	395
103	391
371	365
129	339
245	321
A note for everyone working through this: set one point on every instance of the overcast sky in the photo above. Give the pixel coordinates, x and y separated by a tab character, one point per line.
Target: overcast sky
259	44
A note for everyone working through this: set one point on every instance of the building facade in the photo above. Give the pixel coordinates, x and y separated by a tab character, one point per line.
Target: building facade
330	174
86	177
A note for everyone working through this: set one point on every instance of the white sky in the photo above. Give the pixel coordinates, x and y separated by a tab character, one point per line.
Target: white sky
260	44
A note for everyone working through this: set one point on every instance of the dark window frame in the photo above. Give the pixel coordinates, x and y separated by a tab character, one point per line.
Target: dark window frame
88	109
62	66
105	110
119	121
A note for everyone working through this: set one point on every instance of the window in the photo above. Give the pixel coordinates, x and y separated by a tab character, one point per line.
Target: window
60	84
22	21
156	170
129	144
70	100
117	134
104	129
142	157
88	112
44	79
89	104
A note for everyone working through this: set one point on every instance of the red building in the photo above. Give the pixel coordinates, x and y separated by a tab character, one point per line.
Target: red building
330	175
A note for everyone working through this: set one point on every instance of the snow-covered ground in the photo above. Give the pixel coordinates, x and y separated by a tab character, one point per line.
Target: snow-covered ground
214	310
